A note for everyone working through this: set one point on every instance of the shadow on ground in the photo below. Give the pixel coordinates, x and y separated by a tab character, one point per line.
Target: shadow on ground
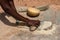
7	22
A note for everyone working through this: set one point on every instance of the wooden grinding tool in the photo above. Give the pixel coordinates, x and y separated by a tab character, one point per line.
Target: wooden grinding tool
33	12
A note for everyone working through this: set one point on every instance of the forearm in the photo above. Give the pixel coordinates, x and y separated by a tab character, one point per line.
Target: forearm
13	13
12	5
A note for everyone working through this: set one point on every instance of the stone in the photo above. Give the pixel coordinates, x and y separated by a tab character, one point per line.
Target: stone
45	25
46	28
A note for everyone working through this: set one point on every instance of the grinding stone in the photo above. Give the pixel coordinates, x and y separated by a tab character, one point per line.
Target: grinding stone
50	28
45	32
45	25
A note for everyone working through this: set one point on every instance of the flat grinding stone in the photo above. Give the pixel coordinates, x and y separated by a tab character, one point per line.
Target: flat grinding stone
46	27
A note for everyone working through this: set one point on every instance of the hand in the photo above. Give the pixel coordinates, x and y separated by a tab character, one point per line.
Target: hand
33	24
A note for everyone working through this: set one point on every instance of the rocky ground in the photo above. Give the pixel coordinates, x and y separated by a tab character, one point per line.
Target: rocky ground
10	31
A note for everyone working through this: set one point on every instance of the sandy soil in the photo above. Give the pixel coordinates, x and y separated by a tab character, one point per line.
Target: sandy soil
35	2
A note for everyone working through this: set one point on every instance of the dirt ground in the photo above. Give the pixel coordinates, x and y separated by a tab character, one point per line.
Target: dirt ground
10	31
35	2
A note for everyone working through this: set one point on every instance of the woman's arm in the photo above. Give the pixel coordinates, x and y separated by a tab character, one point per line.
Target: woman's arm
11	4
12	11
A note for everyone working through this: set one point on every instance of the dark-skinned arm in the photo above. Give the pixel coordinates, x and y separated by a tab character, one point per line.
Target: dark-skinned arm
12	11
